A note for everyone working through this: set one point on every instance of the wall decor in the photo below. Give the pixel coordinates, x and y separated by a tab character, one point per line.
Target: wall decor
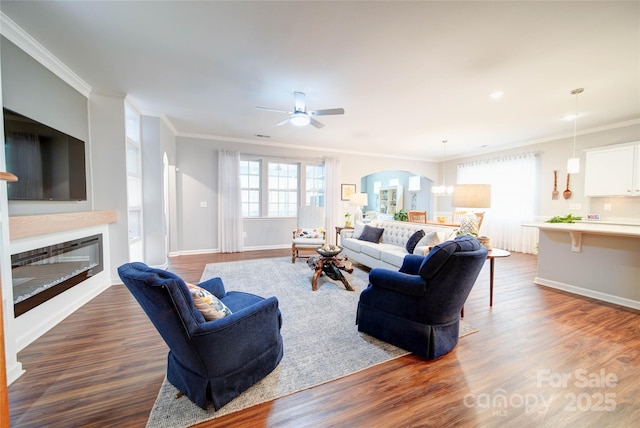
347	190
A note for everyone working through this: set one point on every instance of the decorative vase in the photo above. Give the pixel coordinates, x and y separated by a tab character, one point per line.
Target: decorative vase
484	240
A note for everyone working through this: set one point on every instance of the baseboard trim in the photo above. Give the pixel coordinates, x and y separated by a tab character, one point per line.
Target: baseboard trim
598	295
213	251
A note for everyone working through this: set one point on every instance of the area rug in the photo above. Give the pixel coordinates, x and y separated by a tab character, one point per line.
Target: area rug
320	337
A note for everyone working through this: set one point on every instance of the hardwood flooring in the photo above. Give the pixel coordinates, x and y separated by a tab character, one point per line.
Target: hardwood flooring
542	358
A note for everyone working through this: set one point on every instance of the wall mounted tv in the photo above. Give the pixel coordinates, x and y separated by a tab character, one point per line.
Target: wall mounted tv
49	164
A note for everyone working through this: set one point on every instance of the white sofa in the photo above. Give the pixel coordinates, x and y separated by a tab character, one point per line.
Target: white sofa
390	251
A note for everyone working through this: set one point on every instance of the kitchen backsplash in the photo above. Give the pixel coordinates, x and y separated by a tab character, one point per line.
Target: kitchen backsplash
617	209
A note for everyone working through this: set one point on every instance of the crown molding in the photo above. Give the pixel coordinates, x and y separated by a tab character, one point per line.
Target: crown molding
31	47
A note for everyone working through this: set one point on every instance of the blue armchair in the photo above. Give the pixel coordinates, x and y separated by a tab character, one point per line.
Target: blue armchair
208	360
418	307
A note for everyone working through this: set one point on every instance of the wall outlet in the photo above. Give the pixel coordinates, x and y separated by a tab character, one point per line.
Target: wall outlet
575	207
607	207
203	204
244	234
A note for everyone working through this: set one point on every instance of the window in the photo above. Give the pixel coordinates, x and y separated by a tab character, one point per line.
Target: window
514	191
250	187
273	188
134	184
283	189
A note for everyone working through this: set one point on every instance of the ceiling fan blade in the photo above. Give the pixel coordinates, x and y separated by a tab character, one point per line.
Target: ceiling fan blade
284	122
315	123
299	102
273	109
326	112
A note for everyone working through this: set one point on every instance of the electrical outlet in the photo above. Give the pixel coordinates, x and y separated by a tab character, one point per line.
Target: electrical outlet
607	207
575	207
203	204
244	234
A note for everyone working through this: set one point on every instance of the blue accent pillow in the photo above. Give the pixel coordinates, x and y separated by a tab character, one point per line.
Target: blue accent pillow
371	234
413	240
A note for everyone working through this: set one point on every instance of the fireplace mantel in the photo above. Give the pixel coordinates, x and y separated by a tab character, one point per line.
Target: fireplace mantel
25	226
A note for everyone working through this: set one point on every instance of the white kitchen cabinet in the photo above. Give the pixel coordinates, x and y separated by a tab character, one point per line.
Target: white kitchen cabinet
613	171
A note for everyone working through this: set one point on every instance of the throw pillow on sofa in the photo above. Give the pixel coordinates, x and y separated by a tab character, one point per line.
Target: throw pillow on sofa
429	240
413	240
209	305
357	231
371	234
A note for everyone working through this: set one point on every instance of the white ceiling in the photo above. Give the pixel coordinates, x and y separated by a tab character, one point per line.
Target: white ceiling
408	74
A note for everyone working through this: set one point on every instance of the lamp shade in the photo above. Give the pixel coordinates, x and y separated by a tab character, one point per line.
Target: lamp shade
359	199
471	196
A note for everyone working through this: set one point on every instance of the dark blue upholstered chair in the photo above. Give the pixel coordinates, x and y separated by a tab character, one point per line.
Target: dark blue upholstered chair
418	307
208	360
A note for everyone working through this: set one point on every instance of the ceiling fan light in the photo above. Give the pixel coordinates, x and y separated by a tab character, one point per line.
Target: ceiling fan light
300	119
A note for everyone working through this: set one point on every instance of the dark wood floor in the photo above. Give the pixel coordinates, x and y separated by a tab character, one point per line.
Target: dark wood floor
542	358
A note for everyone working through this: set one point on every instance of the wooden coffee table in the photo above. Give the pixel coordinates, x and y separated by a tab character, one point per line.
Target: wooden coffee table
333	267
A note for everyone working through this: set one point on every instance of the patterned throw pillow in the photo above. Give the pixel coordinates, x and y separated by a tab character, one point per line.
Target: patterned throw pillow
209	305
309	233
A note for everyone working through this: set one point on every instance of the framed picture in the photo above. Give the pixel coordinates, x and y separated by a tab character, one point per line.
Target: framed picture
347	191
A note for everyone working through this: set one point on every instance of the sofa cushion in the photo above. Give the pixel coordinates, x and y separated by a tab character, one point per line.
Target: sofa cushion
394	256
209	305
373	250
413	240
436	258
352	244
371	234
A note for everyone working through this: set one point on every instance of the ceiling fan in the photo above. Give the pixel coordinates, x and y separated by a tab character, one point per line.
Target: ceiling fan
300	116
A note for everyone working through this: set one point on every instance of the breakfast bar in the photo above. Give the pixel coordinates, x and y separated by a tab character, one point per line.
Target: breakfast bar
597	260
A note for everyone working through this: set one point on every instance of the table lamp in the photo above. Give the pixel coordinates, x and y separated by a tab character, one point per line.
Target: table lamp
471	196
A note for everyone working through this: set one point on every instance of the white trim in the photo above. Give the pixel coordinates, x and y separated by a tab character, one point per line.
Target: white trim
622	301
34	49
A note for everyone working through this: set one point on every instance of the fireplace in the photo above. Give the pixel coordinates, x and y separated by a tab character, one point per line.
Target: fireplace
43	273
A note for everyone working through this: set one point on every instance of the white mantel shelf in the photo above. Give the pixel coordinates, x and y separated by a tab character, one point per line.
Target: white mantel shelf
25	226
577	229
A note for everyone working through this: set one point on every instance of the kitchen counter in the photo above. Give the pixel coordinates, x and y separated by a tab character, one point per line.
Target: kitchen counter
592	227
597	260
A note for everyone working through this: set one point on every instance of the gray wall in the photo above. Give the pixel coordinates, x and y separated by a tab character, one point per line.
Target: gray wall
197	181
553	156
108	156
33	91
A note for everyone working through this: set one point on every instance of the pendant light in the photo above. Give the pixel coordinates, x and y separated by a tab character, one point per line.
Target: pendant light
443	190
573	164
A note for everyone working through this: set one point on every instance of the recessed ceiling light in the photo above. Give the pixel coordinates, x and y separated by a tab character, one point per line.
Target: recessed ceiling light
496	95
571	116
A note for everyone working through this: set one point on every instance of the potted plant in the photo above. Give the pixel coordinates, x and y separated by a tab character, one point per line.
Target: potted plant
347	220
401	216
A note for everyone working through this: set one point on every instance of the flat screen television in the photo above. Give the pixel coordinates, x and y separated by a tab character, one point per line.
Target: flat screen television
49	164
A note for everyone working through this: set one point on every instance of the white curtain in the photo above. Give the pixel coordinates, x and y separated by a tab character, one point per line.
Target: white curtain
514	198
229	203
332	197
